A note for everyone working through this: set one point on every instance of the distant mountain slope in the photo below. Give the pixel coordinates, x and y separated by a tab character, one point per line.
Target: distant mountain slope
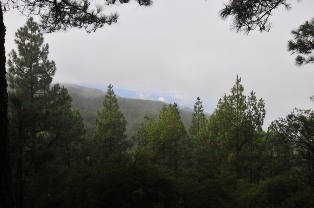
89	101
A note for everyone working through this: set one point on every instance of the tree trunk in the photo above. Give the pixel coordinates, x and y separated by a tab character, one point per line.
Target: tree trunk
5	168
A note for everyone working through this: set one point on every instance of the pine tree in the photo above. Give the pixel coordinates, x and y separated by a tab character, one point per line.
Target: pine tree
162	141
43	127
55	16
165	137
6	196
302	43
30	71
111	126
234	126
198	128
296	131
250	15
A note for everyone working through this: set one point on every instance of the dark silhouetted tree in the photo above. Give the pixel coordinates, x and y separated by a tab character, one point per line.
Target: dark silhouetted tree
30	71
43	128
251	15
297	130
303	43
111	126
55	15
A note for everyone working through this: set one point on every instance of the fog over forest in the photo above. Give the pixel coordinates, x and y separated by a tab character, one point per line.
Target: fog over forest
175	51
170	104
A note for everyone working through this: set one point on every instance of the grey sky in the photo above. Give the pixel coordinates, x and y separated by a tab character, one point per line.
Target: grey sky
183	49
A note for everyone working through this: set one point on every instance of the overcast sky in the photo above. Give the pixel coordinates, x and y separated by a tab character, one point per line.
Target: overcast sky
177	50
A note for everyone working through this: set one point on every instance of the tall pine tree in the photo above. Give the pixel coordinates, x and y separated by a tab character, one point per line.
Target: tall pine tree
234	126
111	125
55	16
43	127
30	70
198	127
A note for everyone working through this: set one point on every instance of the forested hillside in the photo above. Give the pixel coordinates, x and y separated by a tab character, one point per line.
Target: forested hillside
89	101
173	159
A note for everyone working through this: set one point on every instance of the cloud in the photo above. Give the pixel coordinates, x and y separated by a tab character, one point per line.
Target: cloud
180	52
162	99
142	95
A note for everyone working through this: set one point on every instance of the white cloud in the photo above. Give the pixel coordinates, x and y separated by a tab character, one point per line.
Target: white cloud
178	50
143	96
162	99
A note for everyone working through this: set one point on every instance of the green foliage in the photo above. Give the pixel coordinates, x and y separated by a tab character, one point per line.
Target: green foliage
275	192
234	126
111	125
198	128
54	166
302	43
280	153
62	15
164	138
45	133
224	161
55	15
249	15
30	71
89	101
168	145
297	130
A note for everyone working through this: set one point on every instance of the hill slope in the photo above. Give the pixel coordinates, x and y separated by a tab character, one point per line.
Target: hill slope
89	101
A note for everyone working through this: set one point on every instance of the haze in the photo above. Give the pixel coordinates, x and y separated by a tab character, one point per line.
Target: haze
177	50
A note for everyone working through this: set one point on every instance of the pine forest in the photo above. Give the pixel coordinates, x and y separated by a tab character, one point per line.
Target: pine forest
225	159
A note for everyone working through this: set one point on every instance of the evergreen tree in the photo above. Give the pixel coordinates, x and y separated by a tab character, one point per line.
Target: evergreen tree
172	135
111	126
110	160
251	15
234	126
43	128
302	43
279	151
30	71
146	135
297	132
163	140
161	148
198	127
6	197
55	15
197	142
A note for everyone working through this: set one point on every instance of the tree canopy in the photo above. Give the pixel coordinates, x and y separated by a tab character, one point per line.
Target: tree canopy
55	15
302	43
251	15
223	160
43	130
67	14
111	125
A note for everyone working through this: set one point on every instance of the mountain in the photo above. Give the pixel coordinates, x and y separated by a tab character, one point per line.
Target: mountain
89	101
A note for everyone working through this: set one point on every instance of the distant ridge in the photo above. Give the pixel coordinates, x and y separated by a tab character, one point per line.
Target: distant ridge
89	101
